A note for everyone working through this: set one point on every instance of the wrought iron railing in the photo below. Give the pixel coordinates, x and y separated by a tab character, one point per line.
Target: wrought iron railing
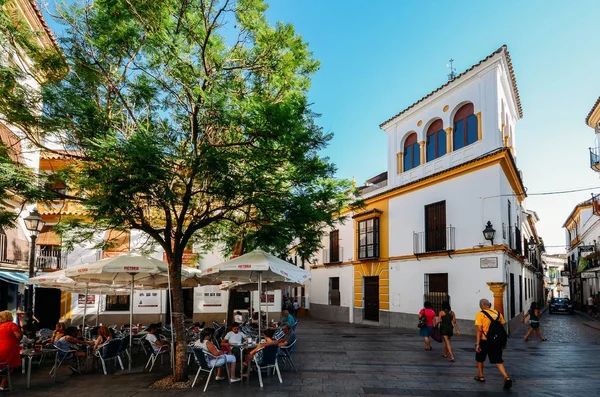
595	159
435	240
50	260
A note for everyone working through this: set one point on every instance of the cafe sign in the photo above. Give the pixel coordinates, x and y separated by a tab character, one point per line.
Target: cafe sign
565	273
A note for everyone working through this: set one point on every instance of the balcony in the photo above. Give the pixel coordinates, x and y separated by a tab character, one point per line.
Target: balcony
515	241
333	256
436	240
4	250
595	159
53	260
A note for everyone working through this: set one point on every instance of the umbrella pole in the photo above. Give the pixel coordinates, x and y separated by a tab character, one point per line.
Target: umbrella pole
131	301
259	303
267	300
84	310
97	309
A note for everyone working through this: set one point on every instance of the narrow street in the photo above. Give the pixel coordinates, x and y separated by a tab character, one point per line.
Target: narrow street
565	328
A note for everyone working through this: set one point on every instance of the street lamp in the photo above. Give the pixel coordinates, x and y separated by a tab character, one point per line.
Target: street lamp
489	232
34	223
531	243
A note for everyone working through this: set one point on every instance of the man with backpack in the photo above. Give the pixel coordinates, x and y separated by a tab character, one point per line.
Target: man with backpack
491	339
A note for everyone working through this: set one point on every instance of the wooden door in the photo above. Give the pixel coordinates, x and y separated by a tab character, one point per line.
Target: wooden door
371	298
435	227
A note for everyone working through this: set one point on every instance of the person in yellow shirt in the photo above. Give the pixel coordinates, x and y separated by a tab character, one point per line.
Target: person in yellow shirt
482	348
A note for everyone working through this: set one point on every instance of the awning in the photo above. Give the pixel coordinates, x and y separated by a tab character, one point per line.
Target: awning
48	237
14	277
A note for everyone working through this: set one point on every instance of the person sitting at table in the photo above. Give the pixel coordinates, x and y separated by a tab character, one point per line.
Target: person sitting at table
58	332
70	341
257	351
288	335
154	340
233	337
219	358
10	336
286	318
238	317
104	336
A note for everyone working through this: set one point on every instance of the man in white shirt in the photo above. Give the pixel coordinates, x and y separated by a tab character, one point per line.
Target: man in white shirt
233	337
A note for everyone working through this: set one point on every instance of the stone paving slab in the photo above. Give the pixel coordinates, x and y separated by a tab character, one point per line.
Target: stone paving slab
345	360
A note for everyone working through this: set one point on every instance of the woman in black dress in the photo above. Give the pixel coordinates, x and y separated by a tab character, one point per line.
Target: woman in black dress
447	322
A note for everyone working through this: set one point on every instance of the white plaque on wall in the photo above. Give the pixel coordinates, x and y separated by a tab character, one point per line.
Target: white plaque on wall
488	263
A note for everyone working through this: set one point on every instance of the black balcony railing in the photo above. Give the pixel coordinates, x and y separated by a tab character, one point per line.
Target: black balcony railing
595	159
515	242
435	240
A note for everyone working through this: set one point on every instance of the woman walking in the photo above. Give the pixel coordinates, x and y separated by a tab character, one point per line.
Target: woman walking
427	316
447	322
534	315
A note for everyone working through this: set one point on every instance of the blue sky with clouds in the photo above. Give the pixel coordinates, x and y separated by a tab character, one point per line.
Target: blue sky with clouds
378	57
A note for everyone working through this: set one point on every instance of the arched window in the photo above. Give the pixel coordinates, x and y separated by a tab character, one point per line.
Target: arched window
465	127
436	140
412	152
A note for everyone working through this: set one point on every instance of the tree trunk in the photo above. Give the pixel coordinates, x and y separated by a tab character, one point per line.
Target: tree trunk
177	317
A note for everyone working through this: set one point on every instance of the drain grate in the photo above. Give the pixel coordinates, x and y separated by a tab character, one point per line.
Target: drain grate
348	336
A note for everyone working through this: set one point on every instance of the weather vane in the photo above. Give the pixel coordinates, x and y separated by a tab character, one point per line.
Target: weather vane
452	73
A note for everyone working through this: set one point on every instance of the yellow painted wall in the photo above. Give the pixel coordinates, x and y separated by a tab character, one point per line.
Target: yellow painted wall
374	267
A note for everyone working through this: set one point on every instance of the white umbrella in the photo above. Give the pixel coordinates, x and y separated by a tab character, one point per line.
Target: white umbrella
60	281
255	267
122	269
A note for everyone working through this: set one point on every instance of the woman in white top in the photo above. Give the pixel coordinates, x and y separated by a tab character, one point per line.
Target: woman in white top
220	358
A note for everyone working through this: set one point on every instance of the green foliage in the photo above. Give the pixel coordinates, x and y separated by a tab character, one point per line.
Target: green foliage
184	119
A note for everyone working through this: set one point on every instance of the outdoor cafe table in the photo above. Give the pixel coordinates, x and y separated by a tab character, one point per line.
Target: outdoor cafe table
241	348
29	354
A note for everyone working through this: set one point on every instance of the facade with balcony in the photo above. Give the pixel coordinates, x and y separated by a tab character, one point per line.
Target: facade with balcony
593	121
15	241
556	276
582	237
451	170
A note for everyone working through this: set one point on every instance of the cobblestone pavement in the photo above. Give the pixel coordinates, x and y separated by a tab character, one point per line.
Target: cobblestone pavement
346	360
566	328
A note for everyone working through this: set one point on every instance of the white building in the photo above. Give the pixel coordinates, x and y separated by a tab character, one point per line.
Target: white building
451	171
582	235
556	278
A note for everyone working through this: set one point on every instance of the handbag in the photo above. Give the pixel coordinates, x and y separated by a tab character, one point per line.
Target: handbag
422	322
436	334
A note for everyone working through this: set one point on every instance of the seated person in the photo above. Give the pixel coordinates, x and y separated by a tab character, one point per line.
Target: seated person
288	335
156	343
58	332
104	336
238	318
218	358
233	337
286	318
69	341
257	351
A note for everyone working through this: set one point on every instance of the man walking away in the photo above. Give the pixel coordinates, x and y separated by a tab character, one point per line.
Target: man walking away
490	341
590	302
296	307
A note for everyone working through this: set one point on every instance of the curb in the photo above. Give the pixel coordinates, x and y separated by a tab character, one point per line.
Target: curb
594	326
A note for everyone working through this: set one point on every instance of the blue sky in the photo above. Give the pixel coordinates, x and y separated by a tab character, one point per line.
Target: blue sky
378	57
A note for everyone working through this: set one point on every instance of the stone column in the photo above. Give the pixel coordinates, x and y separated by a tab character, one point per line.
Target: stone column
400	162
448	139
498	290
422	143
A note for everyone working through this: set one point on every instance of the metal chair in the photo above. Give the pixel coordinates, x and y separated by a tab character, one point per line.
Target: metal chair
124	349
267	360
157	351
202	359
6	371
60	357
293	326
285	353
45	333
110	351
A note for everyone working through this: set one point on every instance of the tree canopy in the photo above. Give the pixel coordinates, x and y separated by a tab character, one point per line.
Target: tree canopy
186	120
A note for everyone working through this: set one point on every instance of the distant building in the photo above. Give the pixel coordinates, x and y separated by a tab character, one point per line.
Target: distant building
451	174
556	276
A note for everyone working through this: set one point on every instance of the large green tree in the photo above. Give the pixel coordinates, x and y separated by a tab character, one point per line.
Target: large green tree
185	119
